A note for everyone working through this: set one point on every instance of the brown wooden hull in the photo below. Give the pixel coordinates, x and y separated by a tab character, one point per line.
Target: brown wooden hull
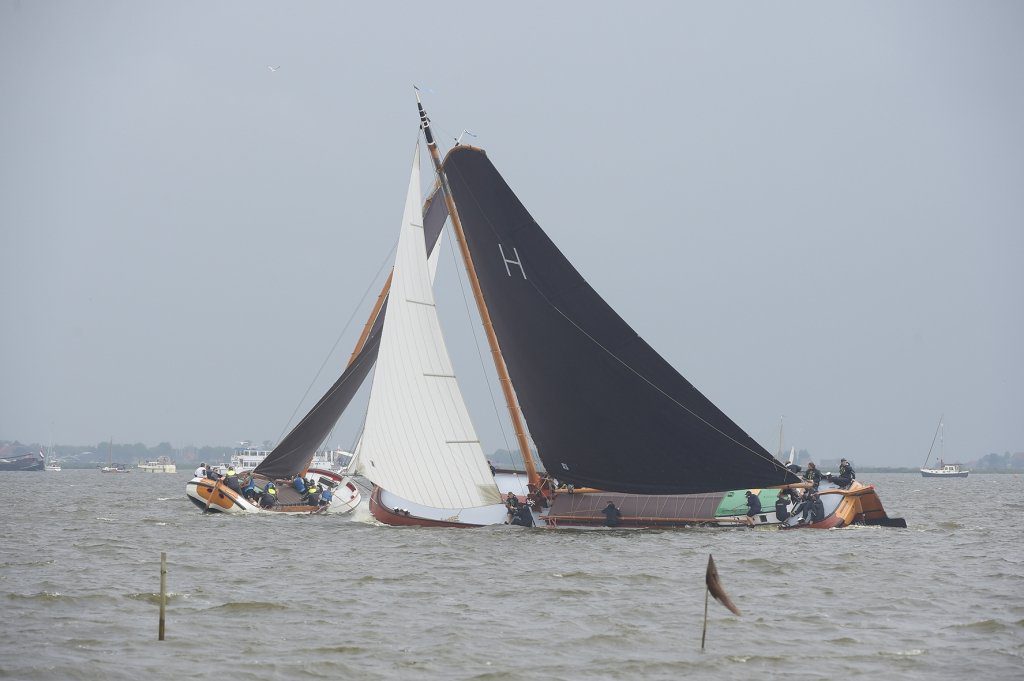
390	516
860	505
222	499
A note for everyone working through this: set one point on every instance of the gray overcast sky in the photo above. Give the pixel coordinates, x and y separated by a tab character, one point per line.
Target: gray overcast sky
811	209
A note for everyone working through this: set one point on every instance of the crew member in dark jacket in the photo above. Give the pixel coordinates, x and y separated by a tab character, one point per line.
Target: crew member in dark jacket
523	516
231	480
846	474
269	496
815	509
312	493
782	506
612	515
812	474
753	506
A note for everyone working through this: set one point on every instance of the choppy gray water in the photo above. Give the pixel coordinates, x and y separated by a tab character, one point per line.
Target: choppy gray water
332	597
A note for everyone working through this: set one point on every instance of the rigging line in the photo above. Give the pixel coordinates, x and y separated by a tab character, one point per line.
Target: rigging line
357	457
775	462
933	441
338	339
476	340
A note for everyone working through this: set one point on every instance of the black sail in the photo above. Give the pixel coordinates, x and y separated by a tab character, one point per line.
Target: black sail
604	409
295	452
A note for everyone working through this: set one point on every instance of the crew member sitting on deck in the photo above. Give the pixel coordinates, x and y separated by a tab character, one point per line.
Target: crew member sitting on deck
299	483
250	491
523	516
326	496
782	506
200	472
312	493
813	509
231	480
812	474
612	515
753	506
846	475
211	473
269	497
511	505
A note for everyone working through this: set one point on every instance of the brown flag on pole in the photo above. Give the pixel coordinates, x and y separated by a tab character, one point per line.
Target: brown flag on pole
714	587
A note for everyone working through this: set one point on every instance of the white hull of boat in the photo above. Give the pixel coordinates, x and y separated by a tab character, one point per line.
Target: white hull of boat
937	473
157	468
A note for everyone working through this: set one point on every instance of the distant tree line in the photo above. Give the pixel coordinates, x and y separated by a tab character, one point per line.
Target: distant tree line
90	456
1000	462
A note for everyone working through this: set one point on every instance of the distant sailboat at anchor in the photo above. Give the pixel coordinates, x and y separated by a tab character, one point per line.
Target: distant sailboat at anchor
943	470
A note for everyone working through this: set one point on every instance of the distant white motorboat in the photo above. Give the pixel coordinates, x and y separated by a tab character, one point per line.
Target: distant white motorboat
247	457
162	465
944	470
55	467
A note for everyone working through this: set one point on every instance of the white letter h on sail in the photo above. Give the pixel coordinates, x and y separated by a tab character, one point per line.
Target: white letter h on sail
517	261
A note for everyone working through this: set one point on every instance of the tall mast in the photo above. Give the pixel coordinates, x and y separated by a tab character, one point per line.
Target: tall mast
369	322
481	306
942	443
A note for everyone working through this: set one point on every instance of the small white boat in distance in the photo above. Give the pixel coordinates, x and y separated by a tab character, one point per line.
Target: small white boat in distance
945	470
247	457
162	465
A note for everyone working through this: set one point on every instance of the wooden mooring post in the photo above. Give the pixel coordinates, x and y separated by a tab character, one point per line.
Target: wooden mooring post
163	591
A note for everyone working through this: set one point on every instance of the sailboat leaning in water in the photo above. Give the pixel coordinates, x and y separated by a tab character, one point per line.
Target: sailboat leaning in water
294	455
612	421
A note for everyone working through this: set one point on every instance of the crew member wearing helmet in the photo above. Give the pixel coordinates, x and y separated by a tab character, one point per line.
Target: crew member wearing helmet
312	493
269	498
231	480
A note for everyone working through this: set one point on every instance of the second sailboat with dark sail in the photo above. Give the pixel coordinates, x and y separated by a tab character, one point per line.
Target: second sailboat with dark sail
610	418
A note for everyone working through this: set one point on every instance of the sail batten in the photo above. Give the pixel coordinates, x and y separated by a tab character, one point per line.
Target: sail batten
604	409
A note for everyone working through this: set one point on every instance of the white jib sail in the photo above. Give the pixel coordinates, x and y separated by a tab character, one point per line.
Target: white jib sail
418	441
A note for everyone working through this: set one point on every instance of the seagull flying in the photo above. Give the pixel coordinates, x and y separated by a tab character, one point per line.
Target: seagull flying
273	68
